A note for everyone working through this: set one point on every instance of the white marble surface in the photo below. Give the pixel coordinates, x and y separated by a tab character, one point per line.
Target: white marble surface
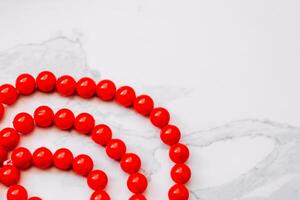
227	70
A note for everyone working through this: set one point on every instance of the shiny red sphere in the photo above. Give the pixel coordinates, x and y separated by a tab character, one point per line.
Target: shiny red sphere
17	192
170	134
86	87
84	123
9	138
42	158
137	183
106	90
125	96
100	195
97	180
64	119
23	123
178	192
8	94
179	153
46	81
143	104
101	134
43	116
137	197
66	85
3	155
21	158
2	111
63	159
115	149
83	165
181	173
130	163
159	117
9	175
34	198
25	84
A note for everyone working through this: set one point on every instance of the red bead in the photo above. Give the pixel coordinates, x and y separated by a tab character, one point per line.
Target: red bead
101	134
9	175
181	173
3	155
86	87
125	96
63	159
17	192
170	134
23	123
106	90
137	183
84	123
64	119
43	116
130	163
21	158
115	149
34	198
66	85
97	180
25	84
46	81
179	153
137	197
8	94
2	111
100	195
143	104
178	192
82	165
159	117
9	138
42	158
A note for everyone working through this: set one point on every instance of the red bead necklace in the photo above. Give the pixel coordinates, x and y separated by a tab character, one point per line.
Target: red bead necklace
84	123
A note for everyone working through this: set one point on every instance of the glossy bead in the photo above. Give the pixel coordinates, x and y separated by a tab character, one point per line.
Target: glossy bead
3	155
137	183
170	134
8	94
125	96
2	111
9	175
9	138
180	173
97	180
34	198
46	81
17	192
179	153
115	149
21	158
63	159
143	104
84	123
100	195
178	192
130	163
82	165
43	116
86	87
101	134
66	85
42	158
64	119
106	90
23	123
25	84
137	197
159	117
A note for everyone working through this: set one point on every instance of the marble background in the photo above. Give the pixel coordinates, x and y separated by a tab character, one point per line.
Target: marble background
228	71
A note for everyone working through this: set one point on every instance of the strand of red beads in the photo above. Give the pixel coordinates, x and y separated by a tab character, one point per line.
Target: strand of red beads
106	90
